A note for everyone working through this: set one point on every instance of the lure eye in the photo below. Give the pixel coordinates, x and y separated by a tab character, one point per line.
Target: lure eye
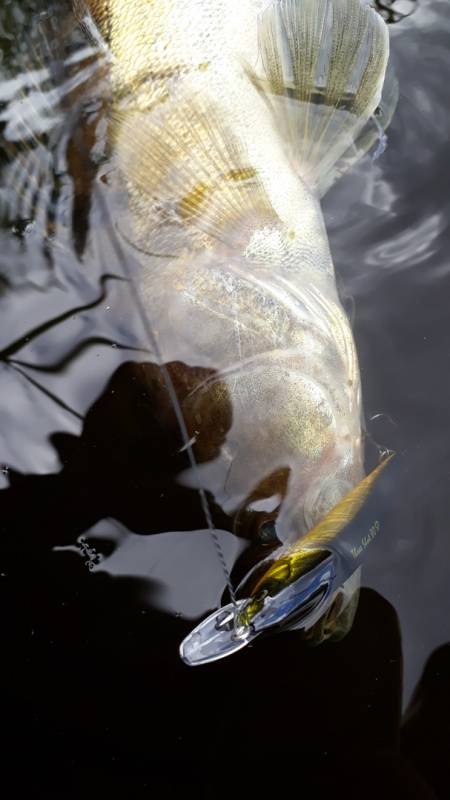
268	533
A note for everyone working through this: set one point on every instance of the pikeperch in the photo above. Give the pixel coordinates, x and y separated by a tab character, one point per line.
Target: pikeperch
229	121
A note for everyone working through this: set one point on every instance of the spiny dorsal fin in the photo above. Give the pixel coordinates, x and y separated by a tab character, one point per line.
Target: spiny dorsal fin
186	169
193	139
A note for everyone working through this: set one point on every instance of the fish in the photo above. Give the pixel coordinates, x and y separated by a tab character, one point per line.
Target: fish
310	586
229	121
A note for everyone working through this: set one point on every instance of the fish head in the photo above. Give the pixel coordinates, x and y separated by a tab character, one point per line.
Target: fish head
265	584
313	578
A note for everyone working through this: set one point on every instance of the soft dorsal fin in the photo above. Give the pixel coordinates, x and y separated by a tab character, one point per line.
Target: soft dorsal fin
324	63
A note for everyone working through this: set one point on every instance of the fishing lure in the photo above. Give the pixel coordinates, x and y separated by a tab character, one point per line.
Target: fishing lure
315	580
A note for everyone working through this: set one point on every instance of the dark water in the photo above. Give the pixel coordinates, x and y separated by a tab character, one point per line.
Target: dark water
104	560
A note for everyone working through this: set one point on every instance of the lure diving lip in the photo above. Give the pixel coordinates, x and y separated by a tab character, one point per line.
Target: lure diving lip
298	605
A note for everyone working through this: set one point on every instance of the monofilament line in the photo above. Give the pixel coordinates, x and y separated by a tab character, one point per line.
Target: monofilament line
175	403
185	437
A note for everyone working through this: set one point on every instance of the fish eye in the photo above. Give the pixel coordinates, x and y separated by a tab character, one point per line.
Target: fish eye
267	533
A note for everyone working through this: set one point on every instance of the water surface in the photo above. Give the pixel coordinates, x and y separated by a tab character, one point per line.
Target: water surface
105	560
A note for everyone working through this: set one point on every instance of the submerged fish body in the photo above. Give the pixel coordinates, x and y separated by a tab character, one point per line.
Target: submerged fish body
230	120
286	363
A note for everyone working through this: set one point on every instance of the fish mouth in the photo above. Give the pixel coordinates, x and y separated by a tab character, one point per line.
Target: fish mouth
295	602
303	612
300	604
312	558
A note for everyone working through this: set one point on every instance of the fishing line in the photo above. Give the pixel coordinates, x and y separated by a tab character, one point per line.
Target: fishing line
187	441
56	72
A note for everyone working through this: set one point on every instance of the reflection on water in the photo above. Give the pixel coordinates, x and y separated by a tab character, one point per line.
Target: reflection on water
101	547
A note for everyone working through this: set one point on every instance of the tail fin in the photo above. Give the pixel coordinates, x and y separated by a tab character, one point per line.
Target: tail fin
324	63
